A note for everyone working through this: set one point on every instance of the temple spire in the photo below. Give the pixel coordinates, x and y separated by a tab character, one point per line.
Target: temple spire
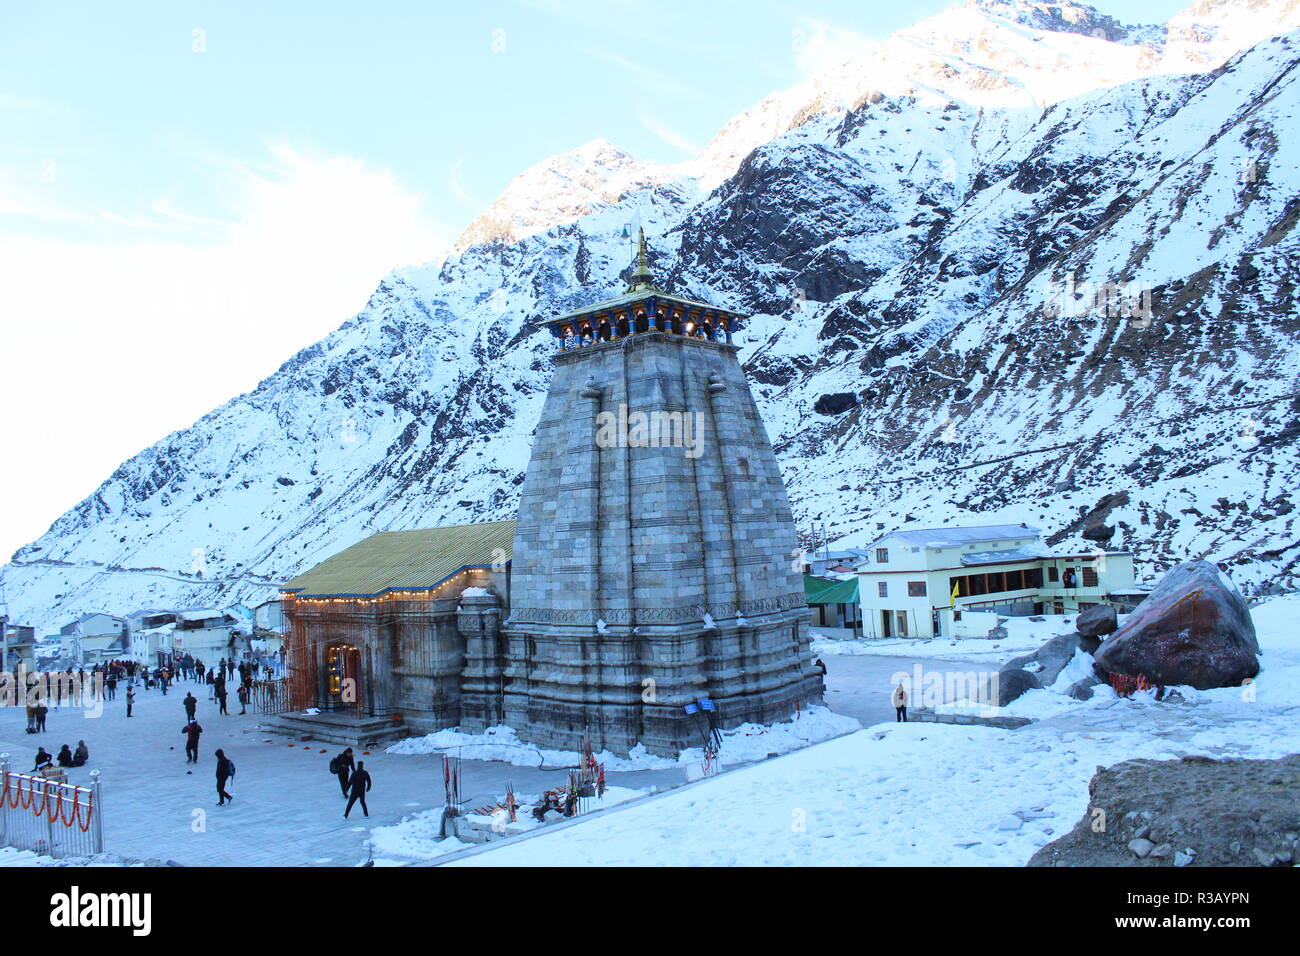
642	280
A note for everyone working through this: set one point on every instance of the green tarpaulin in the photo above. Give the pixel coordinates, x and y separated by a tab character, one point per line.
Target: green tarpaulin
824	591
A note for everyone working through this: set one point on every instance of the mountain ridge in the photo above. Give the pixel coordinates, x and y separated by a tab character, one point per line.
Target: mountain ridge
900	252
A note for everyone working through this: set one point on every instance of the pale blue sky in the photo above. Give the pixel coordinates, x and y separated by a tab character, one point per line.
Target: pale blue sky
128	103
191	191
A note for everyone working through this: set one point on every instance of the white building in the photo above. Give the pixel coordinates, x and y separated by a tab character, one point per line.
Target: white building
95	637
204	633
957	581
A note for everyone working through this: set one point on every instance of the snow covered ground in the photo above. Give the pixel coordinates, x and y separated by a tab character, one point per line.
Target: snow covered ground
935	794
1023	635
742	744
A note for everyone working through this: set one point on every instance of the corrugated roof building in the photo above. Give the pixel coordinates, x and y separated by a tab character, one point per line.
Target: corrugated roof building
397	633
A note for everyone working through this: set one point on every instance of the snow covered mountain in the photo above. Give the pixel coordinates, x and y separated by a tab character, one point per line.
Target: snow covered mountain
1013	265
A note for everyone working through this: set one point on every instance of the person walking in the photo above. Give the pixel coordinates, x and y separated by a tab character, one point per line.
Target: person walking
41	712
900	703
192	732
344	765
221	699
242	693
191	705
130	700
225	770
110	684
359	787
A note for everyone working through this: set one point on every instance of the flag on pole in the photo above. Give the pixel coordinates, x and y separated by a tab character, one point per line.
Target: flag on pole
955	585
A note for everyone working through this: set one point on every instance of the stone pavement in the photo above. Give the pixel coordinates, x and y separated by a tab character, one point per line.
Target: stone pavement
860	685
287	809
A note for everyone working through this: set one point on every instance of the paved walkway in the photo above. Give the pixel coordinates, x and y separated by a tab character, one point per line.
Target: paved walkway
287	809
860	685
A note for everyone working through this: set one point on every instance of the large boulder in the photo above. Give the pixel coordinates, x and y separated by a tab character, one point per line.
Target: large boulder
1048	661
1097	621
1193	628
1014	682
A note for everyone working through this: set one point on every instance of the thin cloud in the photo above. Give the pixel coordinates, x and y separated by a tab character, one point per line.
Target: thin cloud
819	44
300	242
669	135
457	186
655	79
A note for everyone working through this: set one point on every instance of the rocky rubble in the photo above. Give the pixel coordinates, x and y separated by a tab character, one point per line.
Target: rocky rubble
1193	811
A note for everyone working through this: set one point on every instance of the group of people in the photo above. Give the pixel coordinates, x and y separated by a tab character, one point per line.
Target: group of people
36	714
354	780
66	758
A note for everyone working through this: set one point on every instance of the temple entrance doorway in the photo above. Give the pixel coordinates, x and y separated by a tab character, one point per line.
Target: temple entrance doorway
342	677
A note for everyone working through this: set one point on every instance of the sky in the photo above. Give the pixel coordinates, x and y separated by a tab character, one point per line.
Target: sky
191	192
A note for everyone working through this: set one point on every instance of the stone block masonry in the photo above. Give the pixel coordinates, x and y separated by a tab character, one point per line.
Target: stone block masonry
648	575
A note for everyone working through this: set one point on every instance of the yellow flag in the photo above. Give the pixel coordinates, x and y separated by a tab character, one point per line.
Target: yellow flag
955	585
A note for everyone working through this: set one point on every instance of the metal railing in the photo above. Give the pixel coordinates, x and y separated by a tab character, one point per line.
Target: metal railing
48	817
272	696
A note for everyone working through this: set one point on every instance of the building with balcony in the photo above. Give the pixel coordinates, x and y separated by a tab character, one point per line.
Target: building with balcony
956	582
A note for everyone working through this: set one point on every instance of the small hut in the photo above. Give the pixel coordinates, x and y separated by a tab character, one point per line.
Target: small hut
392	627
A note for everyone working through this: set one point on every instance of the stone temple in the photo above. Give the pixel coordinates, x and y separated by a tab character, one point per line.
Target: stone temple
652	564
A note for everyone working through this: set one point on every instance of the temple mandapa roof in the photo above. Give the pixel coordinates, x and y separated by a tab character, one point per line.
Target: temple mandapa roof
406	560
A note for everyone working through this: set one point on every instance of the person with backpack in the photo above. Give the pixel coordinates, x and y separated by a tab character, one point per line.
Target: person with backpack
358	788
192	730
225	770
342	767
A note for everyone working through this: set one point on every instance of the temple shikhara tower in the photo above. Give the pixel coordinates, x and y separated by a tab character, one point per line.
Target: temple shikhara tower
653	546
652	564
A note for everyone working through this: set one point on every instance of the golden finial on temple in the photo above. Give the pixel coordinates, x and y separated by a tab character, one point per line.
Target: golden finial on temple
641	277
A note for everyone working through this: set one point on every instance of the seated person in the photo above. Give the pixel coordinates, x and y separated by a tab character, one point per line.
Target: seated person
81	755
65	756
550	801
43	760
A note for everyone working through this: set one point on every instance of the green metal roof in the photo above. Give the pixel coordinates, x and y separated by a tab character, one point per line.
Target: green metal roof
406	560
824	591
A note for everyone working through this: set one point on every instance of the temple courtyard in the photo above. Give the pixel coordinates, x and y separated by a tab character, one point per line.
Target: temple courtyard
287	808
919	794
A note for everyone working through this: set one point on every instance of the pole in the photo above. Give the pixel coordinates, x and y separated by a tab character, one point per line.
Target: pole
97	812
4	810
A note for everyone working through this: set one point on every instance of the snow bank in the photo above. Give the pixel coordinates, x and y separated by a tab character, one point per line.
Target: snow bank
938	794
740	745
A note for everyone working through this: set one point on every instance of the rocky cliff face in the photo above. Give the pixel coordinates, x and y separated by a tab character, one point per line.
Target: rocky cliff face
968	307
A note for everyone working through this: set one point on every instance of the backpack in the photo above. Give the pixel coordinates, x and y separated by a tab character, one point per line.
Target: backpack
230	765
334	765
